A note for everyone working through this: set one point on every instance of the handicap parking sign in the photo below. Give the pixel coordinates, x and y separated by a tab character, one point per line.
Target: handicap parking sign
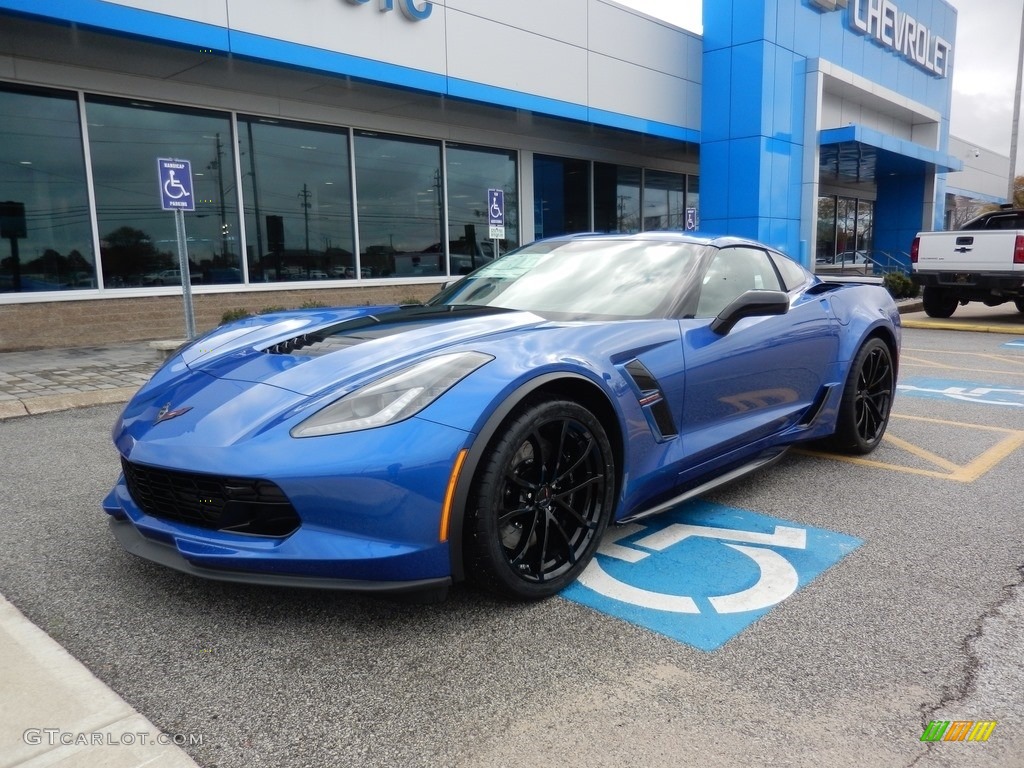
704	572
175	184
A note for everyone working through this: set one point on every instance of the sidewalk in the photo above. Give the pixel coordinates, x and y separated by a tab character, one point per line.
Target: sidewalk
57	379
54	711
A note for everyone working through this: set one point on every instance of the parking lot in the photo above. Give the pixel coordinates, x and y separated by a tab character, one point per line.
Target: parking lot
890	596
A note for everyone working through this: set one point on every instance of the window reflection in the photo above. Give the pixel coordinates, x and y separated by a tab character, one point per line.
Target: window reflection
138	243
561	189
664	200
616	198
46	240
398	184
298	201
472	171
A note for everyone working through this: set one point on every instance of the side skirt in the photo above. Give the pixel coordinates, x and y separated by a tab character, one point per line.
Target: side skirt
733	474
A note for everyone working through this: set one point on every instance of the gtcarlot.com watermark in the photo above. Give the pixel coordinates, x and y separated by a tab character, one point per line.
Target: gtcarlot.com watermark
55	737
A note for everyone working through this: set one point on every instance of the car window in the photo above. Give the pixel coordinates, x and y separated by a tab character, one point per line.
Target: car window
734	271
793	275
584	278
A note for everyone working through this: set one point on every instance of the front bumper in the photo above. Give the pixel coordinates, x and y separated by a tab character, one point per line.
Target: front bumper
169	556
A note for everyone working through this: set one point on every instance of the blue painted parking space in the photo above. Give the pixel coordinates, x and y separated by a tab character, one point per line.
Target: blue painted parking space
963	391
705	572
1015	344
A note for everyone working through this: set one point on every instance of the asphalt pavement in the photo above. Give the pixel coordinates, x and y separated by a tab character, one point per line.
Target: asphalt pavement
53	710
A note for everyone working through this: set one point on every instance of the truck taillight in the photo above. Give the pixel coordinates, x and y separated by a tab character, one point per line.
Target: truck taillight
915	247
1018	250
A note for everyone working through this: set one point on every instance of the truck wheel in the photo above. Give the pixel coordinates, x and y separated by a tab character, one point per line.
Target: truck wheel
939	303
1019	304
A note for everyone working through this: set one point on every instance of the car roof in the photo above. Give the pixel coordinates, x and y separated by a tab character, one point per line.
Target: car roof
673	236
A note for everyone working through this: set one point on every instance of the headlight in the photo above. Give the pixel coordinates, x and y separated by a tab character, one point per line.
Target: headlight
395	397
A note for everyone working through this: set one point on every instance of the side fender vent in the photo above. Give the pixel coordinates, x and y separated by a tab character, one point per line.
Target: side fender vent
652	400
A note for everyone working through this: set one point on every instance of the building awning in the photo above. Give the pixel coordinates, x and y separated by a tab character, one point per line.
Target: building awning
855	152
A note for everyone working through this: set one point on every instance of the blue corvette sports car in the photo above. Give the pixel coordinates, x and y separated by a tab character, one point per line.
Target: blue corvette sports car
492	434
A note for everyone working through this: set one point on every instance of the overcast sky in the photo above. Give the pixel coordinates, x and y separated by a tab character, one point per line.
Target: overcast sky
985	64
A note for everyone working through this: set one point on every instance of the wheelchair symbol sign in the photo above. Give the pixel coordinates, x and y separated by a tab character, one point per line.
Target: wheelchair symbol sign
175	185
703	573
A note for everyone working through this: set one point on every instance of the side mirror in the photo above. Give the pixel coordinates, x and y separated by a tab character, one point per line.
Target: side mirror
750	304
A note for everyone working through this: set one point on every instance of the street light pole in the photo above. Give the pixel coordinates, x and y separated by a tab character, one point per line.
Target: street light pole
1012	183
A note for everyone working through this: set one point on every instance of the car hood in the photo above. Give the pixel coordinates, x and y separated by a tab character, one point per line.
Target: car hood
310	352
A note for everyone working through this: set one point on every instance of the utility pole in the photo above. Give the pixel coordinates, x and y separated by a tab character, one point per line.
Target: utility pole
1010	187
304	195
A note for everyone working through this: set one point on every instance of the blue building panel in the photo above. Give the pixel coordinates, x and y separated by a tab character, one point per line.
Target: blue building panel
786	119
749	185
748	23
746	101
715	121
718	27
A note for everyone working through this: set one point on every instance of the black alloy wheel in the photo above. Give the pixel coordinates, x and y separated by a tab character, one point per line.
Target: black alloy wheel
867	400
541	500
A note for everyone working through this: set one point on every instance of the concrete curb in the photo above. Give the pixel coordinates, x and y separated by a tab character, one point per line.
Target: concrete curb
31	406
55	712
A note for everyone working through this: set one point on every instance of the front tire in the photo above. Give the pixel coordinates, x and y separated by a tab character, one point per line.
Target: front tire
867	400
541	500
938	302
1019	304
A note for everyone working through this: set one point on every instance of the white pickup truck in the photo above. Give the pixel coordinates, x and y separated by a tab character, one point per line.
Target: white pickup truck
983	261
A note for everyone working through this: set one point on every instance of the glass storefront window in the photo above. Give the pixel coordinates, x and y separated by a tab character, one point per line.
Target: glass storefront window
825	249
865	228
845	232
692	220
561	189
297	199
400	195
138	243
664	200
45	234
616	198
472	171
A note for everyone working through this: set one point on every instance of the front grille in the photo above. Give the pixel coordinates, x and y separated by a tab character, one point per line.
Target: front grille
239	505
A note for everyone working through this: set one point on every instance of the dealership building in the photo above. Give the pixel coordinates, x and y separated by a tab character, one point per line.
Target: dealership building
367	151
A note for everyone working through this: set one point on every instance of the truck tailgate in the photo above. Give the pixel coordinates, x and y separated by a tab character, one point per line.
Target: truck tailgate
967	251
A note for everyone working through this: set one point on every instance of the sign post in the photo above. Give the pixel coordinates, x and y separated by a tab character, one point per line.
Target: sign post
496	217
176	195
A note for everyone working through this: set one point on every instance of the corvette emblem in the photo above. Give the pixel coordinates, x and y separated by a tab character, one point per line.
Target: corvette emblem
166	413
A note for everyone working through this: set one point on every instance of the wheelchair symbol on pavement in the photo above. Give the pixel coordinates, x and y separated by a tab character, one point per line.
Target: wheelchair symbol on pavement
778	578
704	572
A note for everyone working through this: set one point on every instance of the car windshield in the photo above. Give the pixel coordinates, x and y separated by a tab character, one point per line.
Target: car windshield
581	278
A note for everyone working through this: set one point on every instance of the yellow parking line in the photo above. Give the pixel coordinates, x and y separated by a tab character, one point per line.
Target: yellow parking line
972	471
966	473
1004	359
979	328
930	420
923	453
905	359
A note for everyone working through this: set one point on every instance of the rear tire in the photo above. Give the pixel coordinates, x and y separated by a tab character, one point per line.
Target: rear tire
1019	304
867	400
541	500
938	302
